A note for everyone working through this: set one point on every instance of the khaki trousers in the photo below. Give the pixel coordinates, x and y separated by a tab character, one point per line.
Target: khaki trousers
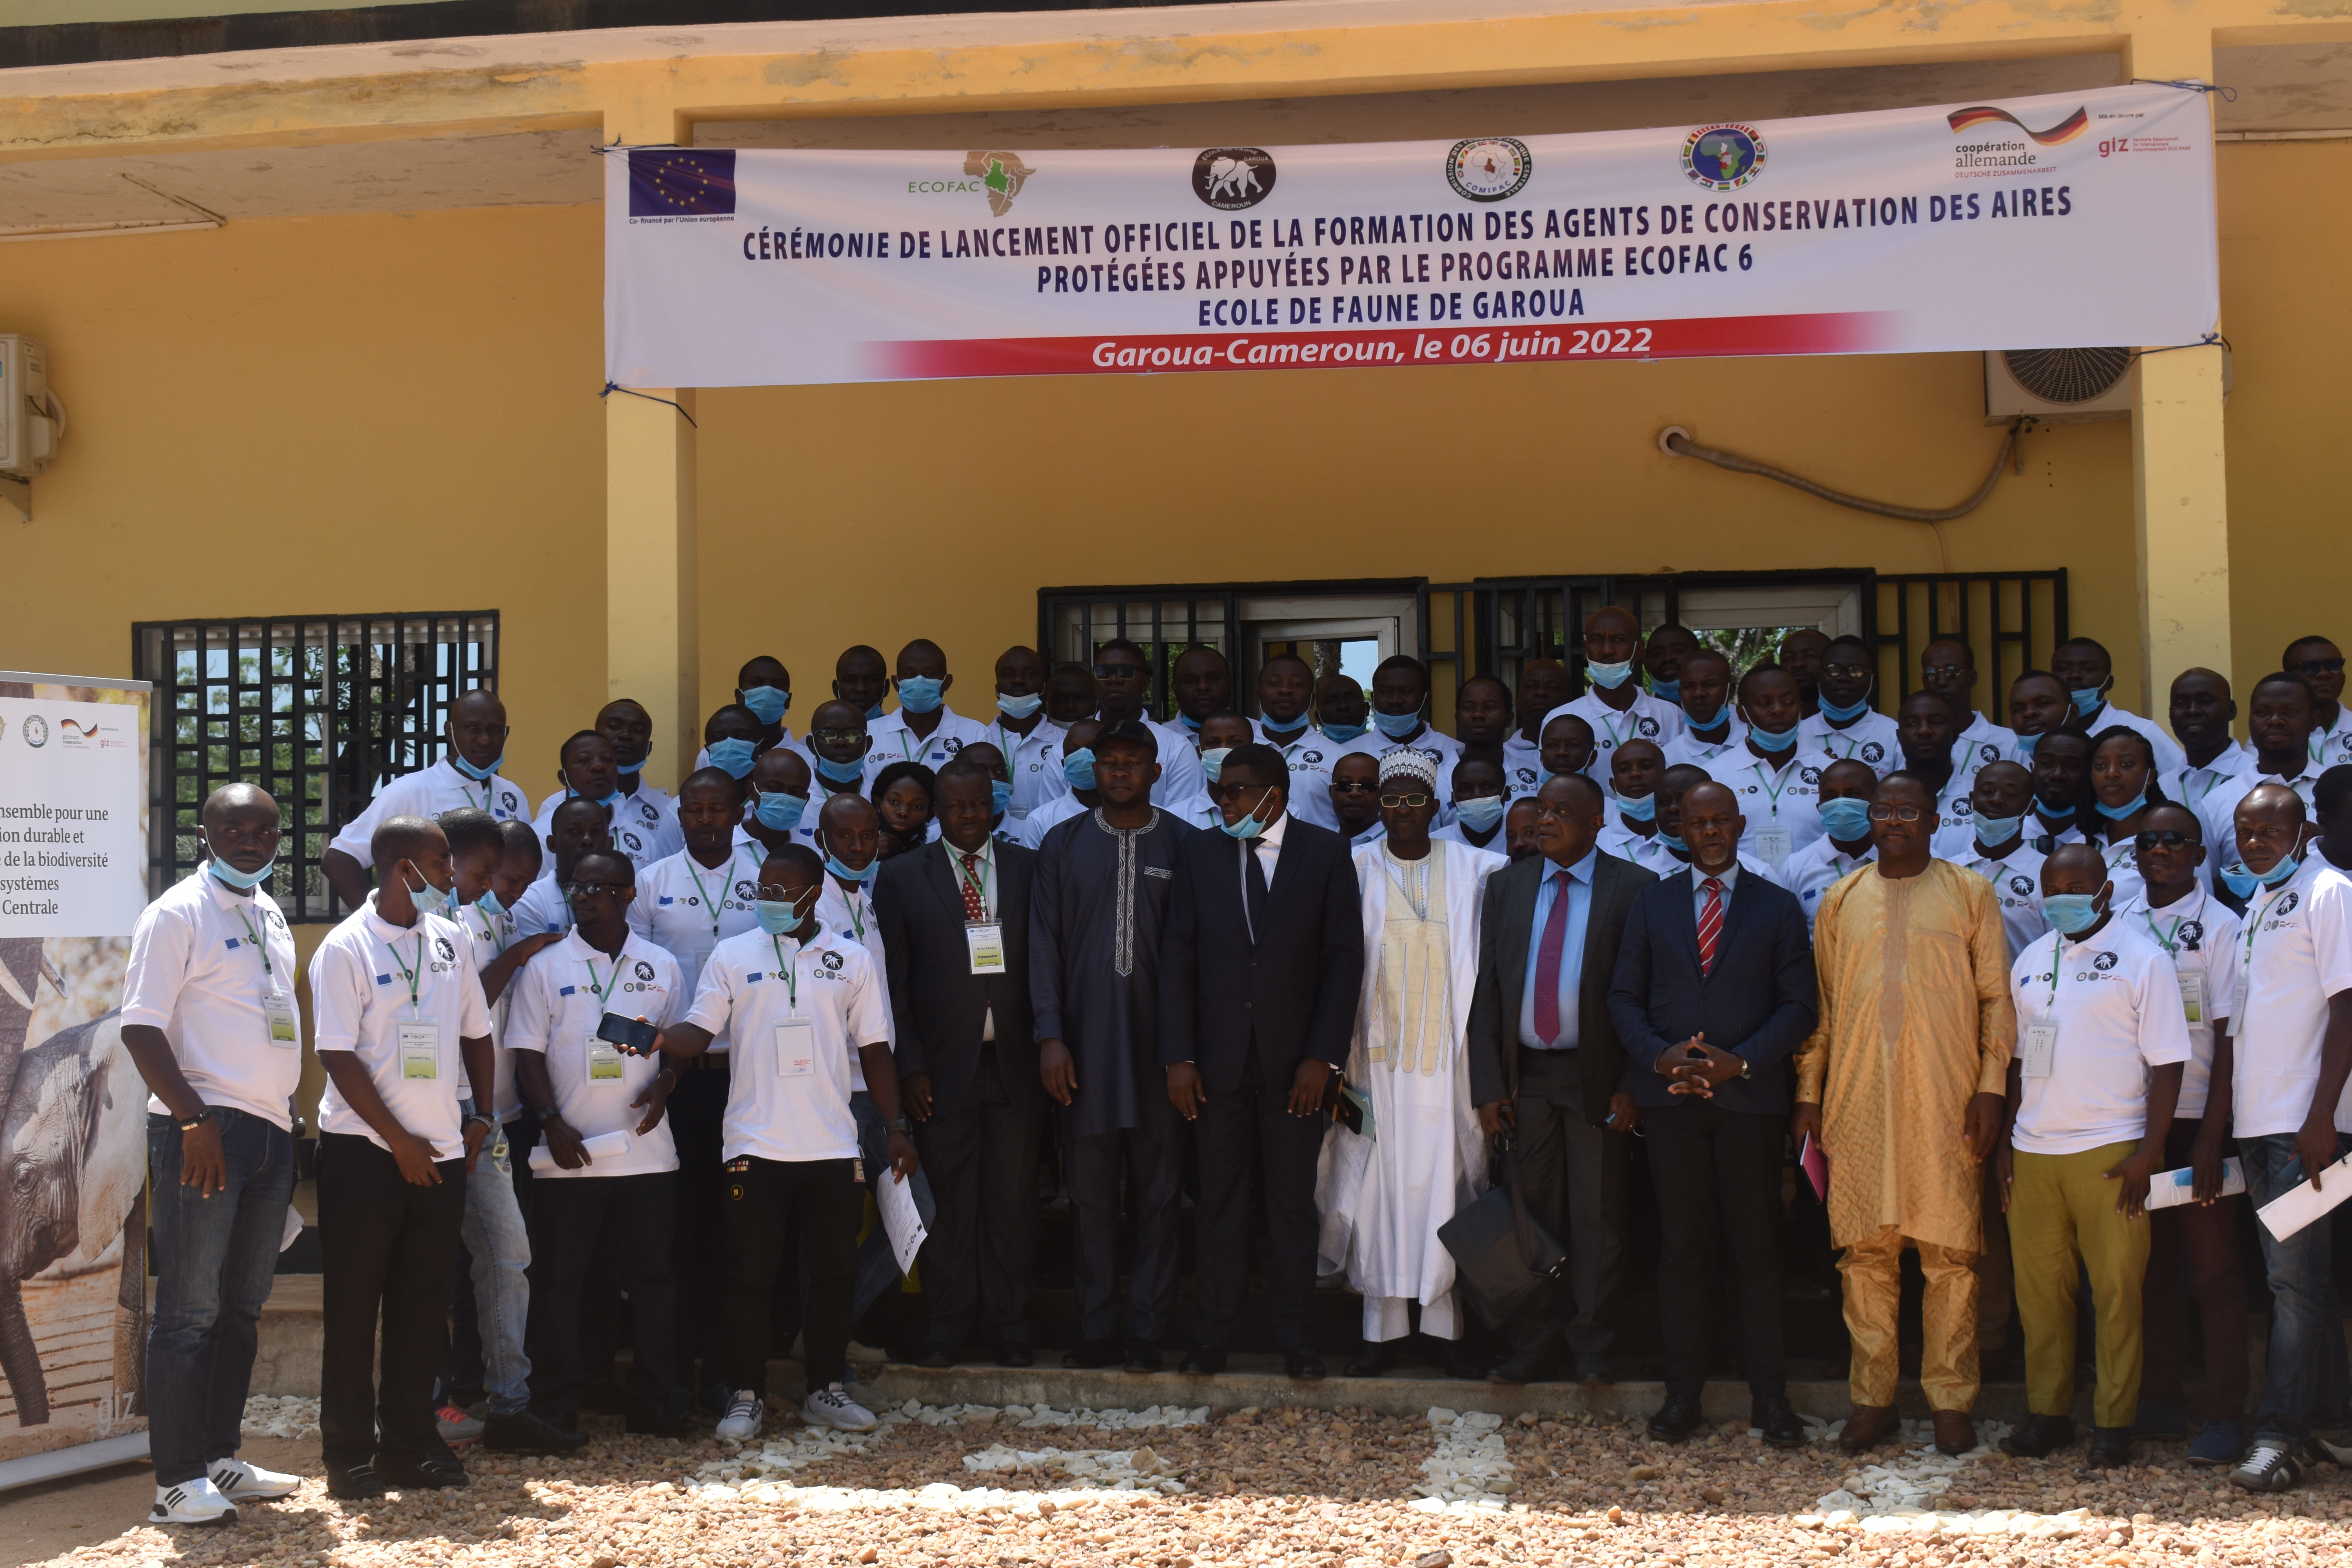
2062	1208
1872	1270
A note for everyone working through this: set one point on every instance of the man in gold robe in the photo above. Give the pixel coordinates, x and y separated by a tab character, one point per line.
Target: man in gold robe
1900	1086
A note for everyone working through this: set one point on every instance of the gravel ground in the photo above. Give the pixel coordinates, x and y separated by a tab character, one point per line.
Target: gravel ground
1196	1488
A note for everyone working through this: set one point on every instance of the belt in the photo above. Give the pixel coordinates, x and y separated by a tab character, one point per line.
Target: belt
707	1061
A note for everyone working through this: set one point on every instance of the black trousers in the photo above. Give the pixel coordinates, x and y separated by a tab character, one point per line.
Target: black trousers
763	1198
569	1214
388	1250
1574	1175
1716	1174
1255	1116
983	1161
1152	1158
697	1109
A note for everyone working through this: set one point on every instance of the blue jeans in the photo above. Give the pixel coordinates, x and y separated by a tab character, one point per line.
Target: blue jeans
2307	1360
498	1249
215	1258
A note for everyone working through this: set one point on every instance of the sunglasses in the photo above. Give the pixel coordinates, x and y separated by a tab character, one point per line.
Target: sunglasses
1404	802
1943	671
2317	667
1338	788
593	889
1895	813
2169	838
1844	671
1118	673
836	737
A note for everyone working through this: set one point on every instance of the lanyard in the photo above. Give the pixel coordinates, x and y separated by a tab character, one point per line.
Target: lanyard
789	972
490	929
604	989
2165	939
487	792
708	902
1764	776
1615	739
409	975
263	948
979	884
853	901
2056	942
2255	925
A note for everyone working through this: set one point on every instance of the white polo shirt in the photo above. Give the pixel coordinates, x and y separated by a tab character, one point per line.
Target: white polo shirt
1048	817
788	1093
1816	869
1454	833
686	907
2334	745
543	907
2117	1009
2169	757
1523	771
1647	719
894	743
1653	856
1688	748
1439	748
557	1007
641	829
2016	879
2218	808
2123	870
1982	744
1872	739
486	941
2190	785
427	792
1311	759
360	997
2204	938
1025	763
197	972
2295	948
1786	799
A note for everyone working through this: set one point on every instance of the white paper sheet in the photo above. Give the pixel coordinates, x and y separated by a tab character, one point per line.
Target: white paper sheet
2166	1189
603	1146
904	1226
2299	1205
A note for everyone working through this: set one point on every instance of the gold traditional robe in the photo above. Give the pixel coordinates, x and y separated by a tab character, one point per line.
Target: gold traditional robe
1915	1018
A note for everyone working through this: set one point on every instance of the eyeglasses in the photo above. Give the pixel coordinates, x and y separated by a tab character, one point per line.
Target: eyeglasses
1943	671
1404	802
771	892
1338	788
1118	673
1844	671
2170	838
591	889
2317	667
1895	813
836	737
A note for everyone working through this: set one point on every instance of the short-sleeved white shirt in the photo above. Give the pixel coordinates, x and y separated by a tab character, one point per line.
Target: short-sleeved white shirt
360	997
2169	757
2204	937
894	743
1651	855
2016	879
2333	746
852	915
543	907
642	828
1786	797
556	1011
686	907
490	939
427	792
196	973
2191	784
1048	817
2296	946
1872	739
1982	744
1688	748
1310	758
1523	771
2219	809
2118	1008
832	981
1648	718
1816	869
1034	779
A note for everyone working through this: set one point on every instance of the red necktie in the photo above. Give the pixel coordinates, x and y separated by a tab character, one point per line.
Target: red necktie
1710	925
976	906
1555	937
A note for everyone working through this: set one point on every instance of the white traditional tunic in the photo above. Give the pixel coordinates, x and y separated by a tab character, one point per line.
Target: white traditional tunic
1383	1198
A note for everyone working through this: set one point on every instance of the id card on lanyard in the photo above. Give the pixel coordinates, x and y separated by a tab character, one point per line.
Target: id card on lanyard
417	1037
984	939
2040	1042
280	1027
795	1035
2187	969
1773	843
700	952
604	1056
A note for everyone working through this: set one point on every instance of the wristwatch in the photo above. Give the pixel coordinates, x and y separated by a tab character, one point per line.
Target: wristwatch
542	1114
1744	1066
198	1120
899	1125
489	1121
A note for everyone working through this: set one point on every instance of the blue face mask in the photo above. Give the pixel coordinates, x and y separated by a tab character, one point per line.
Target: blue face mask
1847	714
839	772
478	774
778	917
779	813
1481	813
1992	830
2070	913
236	879
767	702
1189	722
1397	726
735	755
1641	808
1250	827
570	794
1212	760
920	693
1078	767
490	904
1277	731
1771	742
833	864
1673	842
2054	813
1612	676
2243	883
999	795
1666	690
1719	718
636	767
2117	812
1019	707
2088	700
873	712
429	900
1846	820
1340	734
2025	744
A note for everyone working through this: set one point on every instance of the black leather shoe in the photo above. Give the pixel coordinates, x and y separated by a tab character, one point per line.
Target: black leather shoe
523	1432
1010	1354
408	1475
2110	1446
354	1485
1143	1355
934	1359
1304	1363
1462	1361
1204	1360
658	1423
1778	1418
1091	1356
1523	1369
1372	1360
1678	1417
2041	1437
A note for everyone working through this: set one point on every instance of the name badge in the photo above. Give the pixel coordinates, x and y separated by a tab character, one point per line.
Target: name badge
796	1048
2238	1003
2041	1049
604	1061
1772	845
284	1030
2192	995
695	959
419	1041
985	941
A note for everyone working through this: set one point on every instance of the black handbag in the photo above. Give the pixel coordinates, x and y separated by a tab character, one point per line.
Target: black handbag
1502	1260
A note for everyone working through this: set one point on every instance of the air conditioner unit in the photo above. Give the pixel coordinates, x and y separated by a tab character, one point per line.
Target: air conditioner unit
32	420
2063	386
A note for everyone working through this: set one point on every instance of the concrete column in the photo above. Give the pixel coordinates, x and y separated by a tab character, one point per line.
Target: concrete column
2180	493
652	596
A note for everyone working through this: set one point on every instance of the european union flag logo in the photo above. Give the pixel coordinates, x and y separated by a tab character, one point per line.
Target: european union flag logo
674	182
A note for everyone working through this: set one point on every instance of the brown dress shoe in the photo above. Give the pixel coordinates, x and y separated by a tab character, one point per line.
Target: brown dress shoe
1955	1433
1867	1428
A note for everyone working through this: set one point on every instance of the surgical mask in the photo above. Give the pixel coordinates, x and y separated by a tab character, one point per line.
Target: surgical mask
1846	820
1638	808
2117	812
1673	842
833	864
1480	814
1612	676
1189	722
1274	730
1771	742
2087	701
1000	796
1340	734
920	693
2243	883
1397	726
636	767
735	755
767	702
490	904
570	794
428	899
1078	767
779	812
478	774
873	712
1992	830
840	772
1019	707
1845	715
1212	760
2025	744
2070	913
236	879
1666	690
1250	827
2054	813
1719	718
2240	881
778	917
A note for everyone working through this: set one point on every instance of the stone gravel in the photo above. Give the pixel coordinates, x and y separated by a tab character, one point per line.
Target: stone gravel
1275	1489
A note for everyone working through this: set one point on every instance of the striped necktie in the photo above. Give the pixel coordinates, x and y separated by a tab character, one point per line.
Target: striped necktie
1710	925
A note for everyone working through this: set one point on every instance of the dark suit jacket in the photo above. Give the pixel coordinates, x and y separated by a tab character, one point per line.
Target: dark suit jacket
1293	991
937	1002
1505	932
1759	1002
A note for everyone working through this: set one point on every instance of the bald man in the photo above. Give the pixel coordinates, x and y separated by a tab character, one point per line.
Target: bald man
923	728
644	809
1613	702
474	734
2202	710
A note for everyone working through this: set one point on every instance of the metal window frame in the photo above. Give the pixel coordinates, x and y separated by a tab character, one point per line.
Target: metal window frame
328	711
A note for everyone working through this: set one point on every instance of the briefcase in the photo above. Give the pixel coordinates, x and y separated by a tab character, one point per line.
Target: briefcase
1502	1260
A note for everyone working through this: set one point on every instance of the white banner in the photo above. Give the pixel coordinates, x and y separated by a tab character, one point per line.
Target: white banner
2076	220
73	1109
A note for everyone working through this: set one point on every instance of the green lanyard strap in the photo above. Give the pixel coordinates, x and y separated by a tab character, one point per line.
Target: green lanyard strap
2057	943
263	948
724	887
788	972
412	975
605	990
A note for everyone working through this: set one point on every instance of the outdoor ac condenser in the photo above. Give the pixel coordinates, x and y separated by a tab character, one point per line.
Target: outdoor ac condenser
2063	386
32	420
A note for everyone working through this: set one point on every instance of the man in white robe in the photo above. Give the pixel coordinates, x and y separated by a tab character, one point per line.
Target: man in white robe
1421	1156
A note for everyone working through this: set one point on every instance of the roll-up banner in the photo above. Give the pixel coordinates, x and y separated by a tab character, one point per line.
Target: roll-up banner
2054	222
73	1109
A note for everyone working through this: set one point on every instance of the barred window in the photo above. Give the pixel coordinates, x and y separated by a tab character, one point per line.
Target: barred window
319	711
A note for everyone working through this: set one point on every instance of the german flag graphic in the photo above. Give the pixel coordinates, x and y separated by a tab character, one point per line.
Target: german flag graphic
2066	130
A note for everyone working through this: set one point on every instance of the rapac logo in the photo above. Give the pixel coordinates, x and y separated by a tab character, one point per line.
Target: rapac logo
1231	179
1723	157
2066	130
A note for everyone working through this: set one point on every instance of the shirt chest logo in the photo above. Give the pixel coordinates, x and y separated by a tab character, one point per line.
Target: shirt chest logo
1874	753
2021	886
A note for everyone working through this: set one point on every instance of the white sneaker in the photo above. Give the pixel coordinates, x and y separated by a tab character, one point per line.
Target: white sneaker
2268	1468
741	1422
241	1482
831	1408
191	1502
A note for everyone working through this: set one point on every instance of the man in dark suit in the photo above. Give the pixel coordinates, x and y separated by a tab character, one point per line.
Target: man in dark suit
1714	991
955	923
1260	961
1545	1064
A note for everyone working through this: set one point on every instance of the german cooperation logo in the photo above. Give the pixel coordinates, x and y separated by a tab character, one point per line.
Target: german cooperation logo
1489	168
1232	179
1723	157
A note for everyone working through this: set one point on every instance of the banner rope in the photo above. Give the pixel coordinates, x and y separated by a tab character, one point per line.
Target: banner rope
613	386
2228	94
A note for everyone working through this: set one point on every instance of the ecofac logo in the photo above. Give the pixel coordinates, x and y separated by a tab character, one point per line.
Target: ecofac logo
1000	174
1723	157
1233	178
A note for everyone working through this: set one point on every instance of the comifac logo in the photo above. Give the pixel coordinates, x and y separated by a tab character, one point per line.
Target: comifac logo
1723	157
